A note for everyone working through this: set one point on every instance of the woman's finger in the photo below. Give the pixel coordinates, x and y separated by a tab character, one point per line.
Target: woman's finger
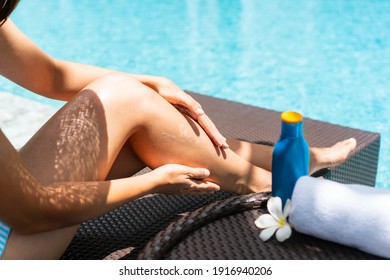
208	126
198	173
191	104
183	100
199	187
212	131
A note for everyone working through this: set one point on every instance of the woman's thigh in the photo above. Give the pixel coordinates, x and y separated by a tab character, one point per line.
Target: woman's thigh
71	146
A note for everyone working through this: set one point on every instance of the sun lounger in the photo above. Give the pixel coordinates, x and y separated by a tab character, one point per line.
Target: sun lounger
220	226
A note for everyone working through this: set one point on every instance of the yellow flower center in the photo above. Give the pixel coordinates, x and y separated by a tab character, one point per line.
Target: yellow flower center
282	222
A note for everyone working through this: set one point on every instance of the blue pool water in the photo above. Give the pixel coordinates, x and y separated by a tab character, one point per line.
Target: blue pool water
329	60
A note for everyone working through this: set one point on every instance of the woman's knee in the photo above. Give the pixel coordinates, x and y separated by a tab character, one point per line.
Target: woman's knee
120	88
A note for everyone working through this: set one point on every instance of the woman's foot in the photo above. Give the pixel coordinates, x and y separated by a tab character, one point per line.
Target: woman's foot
332	156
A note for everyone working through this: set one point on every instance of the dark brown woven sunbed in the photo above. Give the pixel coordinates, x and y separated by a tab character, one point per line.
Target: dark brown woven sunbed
221	226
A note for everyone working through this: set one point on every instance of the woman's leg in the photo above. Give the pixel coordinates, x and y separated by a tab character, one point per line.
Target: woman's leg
69	147
83	140
261	155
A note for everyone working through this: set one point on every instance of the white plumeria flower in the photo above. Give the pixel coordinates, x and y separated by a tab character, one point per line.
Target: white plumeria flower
275	221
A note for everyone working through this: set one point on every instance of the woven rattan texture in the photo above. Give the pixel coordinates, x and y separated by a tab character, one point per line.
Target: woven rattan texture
167	238
124	232
225	230
132	225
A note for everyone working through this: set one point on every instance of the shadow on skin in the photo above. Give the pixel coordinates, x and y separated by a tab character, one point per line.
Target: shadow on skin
74	149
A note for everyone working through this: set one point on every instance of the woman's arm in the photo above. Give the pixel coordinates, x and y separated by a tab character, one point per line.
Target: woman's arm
27	65
28	206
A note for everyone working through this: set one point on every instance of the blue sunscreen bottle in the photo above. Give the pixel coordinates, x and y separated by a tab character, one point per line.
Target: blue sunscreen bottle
290	157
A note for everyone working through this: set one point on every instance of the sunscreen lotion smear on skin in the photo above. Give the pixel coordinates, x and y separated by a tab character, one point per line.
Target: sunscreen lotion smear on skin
290	157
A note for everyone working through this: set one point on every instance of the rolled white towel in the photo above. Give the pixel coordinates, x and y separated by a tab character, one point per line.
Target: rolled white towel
352	215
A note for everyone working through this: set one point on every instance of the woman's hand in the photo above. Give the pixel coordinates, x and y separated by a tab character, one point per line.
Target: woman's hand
187	105
180	179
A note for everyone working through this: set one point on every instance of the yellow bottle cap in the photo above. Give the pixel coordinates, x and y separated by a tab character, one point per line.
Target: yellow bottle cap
291	117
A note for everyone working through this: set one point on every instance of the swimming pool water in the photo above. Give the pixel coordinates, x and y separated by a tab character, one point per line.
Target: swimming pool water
329	60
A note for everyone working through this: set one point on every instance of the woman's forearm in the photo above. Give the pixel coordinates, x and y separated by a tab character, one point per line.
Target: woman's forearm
29	206
72	203
27	65
71	77
69	203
